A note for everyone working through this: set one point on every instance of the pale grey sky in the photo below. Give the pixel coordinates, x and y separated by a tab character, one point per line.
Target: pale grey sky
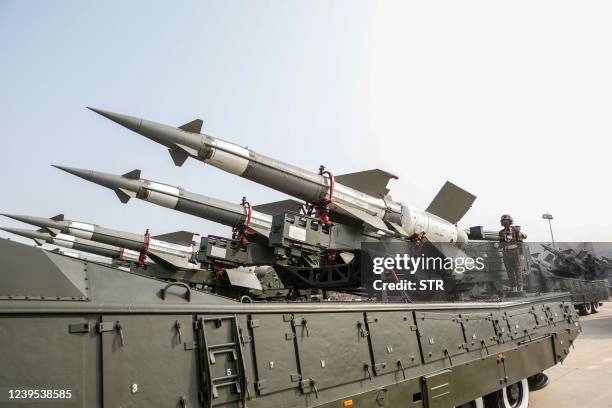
511	102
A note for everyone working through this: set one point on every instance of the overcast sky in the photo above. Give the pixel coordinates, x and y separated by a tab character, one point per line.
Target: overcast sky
511	101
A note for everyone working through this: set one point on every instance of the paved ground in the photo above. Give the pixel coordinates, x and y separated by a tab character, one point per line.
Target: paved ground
585	378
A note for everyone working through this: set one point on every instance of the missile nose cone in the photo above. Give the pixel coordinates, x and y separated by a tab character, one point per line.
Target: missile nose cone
39	237
17	217
130	122
82	173
168	136
20	232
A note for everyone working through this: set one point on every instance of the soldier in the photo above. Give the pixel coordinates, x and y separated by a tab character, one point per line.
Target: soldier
511	238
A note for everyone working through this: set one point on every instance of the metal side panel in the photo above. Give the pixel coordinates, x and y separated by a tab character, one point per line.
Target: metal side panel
558	312
333	349
68	363
441	335
438	388
32	273
479	330
394	339
522	322
274	352
524	362
477	378
148	361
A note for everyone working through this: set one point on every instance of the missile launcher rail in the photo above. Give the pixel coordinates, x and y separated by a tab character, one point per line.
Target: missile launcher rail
122	339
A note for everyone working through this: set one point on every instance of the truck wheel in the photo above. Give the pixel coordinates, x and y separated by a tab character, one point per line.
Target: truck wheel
477	403
537	382
594	307
587	308
512	396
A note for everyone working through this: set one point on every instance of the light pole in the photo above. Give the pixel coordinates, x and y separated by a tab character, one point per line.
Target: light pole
549	217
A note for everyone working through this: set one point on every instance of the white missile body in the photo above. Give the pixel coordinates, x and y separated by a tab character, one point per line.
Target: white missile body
362	196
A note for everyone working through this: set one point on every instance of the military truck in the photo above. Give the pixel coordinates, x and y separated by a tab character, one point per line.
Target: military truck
541	275
75	333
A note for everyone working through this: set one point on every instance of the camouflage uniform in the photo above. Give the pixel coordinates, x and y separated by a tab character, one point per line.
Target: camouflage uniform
511	238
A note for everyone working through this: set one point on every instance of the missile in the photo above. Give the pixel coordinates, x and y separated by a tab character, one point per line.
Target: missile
175	250
78	244
130	185
362	196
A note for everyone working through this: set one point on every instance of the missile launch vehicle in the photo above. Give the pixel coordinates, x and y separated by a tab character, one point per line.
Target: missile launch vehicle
80	333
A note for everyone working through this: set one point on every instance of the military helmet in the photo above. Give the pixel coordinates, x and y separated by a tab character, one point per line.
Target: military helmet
506	218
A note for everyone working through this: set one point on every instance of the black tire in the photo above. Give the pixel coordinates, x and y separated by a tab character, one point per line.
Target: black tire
537	382
513	396
594	307
583	310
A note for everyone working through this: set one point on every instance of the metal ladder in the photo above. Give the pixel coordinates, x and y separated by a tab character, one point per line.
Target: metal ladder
217	375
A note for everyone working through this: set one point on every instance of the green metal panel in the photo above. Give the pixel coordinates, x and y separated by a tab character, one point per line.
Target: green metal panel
521	322
479	330
28	273
477	378
333	349
41	353
557	312
154	366
395	344
438	389
274	352
441	335
526	361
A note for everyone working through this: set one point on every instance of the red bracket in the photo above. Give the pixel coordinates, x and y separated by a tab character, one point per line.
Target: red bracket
321	209
241	232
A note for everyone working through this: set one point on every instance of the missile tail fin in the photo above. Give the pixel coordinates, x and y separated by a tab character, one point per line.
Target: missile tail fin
178	156
124	195
48	230
372	182
134	174
451	203
39	242
195	126
178	237
58	217
279	207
